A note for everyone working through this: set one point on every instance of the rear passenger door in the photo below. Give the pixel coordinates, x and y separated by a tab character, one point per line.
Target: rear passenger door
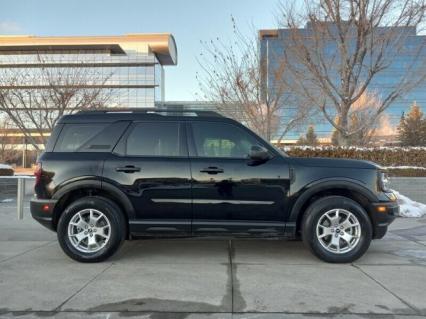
150	165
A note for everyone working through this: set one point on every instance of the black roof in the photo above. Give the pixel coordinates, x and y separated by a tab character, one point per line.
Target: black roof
112	115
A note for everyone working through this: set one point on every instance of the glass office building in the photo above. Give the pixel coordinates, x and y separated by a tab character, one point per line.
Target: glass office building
273	45
128	69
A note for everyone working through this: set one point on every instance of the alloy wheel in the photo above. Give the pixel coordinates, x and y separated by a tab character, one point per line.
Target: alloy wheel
89	230
338	231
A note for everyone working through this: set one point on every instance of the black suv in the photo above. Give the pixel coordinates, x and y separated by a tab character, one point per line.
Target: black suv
107	176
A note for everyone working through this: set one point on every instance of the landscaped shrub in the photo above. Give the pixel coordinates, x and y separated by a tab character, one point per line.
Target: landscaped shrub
6	170
401	161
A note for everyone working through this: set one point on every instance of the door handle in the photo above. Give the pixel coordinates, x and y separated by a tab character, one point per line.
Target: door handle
128	169
212	170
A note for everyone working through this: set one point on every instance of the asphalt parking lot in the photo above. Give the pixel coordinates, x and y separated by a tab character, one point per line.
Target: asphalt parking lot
209	278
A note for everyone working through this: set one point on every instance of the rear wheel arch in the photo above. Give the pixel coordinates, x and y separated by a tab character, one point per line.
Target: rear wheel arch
76	191
355	192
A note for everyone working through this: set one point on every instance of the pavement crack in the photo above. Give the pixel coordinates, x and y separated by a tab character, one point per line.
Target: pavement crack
415	309
231	270
58	308
26	252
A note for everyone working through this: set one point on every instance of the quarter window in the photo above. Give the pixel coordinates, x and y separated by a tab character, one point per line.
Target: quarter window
154	139
222	140
73	136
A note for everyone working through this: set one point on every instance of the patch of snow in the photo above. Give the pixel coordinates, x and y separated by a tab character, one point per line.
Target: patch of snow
5	166
408	207
357	148
7	200
404	167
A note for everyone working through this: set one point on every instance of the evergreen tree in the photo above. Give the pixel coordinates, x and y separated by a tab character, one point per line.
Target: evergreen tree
412	127
310	137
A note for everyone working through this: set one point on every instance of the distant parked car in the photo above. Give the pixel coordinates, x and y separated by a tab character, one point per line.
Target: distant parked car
111	175
6	170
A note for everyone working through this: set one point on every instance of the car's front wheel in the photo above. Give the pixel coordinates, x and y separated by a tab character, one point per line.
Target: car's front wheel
337	229
91	229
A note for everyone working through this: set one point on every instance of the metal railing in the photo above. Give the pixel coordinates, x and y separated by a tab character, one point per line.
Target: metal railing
20	192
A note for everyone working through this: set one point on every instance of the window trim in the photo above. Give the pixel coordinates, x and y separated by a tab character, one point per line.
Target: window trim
193	149
121	148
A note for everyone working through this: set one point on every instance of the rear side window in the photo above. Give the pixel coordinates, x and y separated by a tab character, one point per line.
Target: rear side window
73	136
154	139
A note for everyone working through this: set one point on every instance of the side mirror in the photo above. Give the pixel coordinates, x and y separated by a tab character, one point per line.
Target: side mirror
259	154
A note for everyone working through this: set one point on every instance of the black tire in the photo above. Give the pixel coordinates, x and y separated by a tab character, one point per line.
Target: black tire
309	228
117	230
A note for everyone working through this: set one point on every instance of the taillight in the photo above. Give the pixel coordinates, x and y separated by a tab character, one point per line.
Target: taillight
37	173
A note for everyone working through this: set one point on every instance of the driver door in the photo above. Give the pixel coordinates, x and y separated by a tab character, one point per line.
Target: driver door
230	193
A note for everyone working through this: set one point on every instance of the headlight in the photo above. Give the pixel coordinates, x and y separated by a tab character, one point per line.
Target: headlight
384	183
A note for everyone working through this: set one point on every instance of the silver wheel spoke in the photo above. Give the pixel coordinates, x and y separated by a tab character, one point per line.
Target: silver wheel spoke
347	238
102	235
92	220
347	224
335	219
81	223
80	236
92	240
326	231
335	241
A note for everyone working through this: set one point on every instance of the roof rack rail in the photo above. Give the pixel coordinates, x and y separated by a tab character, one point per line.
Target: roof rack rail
159	111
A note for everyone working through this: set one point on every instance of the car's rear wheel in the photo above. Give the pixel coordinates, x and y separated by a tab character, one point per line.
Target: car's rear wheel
337	229
91	229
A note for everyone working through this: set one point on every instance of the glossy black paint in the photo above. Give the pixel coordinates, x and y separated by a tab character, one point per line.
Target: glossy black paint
191	195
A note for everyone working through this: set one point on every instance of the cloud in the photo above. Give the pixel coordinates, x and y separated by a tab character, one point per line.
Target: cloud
9	27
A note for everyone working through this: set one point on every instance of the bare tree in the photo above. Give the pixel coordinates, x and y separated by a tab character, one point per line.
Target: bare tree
364	110
345	45
8	149
234	76
35	98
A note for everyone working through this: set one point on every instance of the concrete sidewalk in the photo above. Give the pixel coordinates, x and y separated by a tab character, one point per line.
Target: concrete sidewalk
197	278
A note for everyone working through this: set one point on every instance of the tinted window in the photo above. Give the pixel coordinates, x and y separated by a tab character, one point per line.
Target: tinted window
106	139
154	139
74	136
222	140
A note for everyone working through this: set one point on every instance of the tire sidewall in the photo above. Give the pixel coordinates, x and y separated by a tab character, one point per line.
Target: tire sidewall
314	213
110	210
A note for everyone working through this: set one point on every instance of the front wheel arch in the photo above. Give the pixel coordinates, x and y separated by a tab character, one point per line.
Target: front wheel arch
352	191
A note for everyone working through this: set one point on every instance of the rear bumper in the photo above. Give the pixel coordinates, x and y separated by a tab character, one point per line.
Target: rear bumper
42	211
383	214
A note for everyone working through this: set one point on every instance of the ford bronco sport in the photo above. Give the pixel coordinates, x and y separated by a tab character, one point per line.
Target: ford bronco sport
108	176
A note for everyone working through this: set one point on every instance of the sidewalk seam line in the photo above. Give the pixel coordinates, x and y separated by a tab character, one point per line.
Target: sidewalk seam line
388	290
26	252
58	308
232	274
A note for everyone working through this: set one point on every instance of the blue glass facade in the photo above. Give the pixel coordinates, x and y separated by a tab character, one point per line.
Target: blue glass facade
273	45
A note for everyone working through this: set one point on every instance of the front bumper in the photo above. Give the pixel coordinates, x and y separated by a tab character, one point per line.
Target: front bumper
382	215
42	211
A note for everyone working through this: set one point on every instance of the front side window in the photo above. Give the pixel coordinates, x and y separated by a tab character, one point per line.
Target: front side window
154	139
222	140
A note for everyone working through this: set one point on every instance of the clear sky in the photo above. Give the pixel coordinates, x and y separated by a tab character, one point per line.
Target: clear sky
188	20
